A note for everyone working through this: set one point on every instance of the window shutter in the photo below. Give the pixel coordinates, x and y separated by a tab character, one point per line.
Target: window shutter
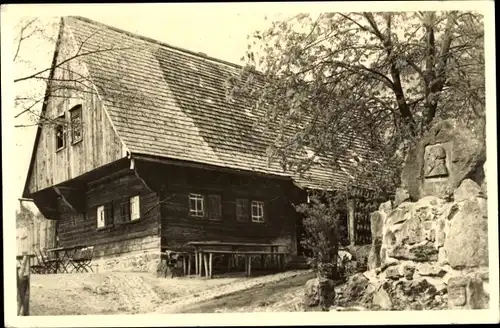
125	211
214	207
109	213
135	212
242	209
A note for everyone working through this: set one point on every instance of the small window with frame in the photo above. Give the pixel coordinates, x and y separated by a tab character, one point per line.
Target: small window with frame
60	133
258	211
76	124
196	205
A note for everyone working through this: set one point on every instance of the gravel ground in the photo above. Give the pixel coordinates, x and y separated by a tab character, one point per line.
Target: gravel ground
272	296
134	292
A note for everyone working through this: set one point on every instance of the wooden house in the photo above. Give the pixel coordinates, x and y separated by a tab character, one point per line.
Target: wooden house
145	151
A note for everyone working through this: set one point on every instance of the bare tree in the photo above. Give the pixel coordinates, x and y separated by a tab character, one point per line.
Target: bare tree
38	81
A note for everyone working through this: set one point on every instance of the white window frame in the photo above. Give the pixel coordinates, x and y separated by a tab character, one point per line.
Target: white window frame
135	208
101	216
197	212
257	217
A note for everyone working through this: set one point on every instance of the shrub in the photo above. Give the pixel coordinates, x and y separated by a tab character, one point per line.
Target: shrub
322	232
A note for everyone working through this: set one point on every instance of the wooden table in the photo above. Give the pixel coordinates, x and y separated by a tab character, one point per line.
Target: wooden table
204	251
20	257
63	256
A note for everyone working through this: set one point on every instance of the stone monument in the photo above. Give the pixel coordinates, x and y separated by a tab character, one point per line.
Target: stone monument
430	247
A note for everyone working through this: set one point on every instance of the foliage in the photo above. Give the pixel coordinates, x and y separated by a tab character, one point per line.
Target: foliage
322	231
382	78
24	215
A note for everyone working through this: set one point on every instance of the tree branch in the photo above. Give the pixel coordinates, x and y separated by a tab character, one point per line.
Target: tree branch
67	60
22	37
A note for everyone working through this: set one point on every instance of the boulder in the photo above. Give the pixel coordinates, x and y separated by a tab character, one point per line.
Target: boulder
466	244
408	271
393	273
326	293
374	261
377	224
466	292
468	189
414	236
484	184
442	256
386	207
319	292
420	252
311	293
441	232
388	263
408	295
402	195
355	287
399	214
442	159
382	299
432	270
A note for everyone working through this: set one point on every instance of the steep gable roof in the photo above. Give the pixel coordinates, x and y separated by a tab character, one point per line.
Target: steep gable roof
169	102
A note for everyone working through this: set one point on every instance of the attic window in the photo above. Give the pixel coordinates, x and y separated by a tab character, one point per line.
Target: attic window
76	124
60	132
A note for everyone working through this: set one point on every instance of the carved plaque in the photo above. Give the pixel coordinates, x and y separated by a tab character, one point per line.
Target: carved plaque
435	162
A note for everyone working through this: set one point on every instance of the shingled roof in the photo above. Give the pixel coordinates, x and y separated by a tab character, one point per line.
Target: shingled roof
172	103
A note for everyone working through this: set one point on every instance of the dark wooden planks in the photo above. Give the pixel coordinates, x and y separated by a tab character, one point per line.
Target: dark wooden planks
81	228
178	227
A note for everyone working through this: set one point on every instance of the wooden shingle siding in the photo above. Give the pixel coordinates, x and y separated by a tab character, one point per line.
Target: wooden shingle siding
100	144
79	228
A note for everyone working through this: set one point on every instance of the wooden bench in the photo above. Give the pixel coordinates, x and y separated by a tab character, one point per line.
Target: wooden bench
207	255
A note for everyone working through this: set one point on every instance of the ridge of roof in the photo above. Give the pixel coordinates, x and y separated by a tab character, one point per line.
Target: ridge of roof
148	39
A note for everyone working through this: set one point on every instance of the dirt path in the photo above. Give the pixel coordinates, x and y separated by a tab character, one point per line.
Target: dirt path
271	296
135	292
